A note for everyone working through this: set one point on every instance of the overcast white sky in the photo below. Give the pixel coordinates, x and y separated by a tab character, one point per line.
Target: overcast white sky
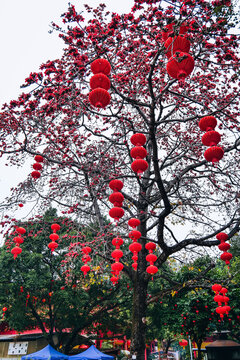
25	43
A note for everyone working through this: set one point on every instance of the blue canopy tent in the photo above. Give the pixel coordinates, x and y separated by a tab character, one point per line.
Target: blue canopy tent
91	354
47	353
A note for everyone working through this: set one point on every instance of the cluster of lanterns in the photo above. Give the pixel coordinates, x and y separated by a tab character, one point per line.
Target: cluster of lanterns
211	138
180	63
116	267
116	198
220	298
135	235
54	237
138	152
86	258
224	246
100	83
37	166
18	241
151	258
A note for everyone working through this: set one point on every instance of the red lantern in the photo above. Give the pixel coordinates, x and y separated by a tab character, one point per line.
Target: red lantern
38	158
218	298
152	269
35	175
211	138
216	287
180	65
85	269
222	236
117	242
138	152
86	250
207	123
139	166
138	139
52	246
133	222
99	98
178	43
214	154
150	246
168	30
224	290
100	81
116	185
20	230
226	256
117	267
116	198
221	311
16	251
114	280
117	254
151	258
54	237
135	247
101	66
224	246
55	227
135	265
116	213
183	343
135	234
18	240
4	309
227	309
37	166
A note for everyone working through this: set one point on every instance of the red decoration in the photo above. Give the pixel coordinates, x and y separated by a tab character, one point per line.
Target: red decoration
211	138
133	222
171	28
151	258
226	256
16	251
85	269
138	152
224	246
52	246
114	280
183	343
214	154
101	66
37	166
38	158
216	288
116	185
139	166
178	43
20	205
138	139
116	198
54	237
99	98
152	269
35	175
116	213
221	310
100	81
20	230
55	227
224	291
135	235
86	250
218	298
18	240
180	65
222	236
117	242
207	123
135	247
150	246
117	254
117	267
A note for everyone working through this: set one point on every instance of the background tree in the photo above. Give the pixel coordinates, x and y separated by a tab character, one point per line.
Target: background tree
84	147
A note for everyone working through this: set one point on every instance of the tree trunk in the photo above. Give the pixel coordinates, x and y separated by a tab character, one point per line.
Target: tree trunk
139	325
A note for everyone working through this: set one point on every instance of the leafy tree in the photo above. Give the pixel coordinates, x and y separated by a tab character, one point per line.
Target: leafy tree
84	147
43	289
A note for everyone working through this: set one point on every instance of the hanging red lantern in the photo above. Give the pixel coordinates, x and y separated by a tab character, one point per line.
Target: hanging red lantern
100	81
101	66
86	250
211	138
180	65
222	236
20	230
224	246
218	298
207	123
99	98
16	251
117	254
216	288
221	311
18	240
37	166
55	227
224	290
85	269
86	258
226	256
225	299
114	280
150	246
116	213
117	242
116	185
133	222
54	237
135	234
35	175
139	166
52	246
135	247
183	343
151	258
117	267
138	152
214	154
227	309
152	269
38	158
169	30
177	43
138	139
116	198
